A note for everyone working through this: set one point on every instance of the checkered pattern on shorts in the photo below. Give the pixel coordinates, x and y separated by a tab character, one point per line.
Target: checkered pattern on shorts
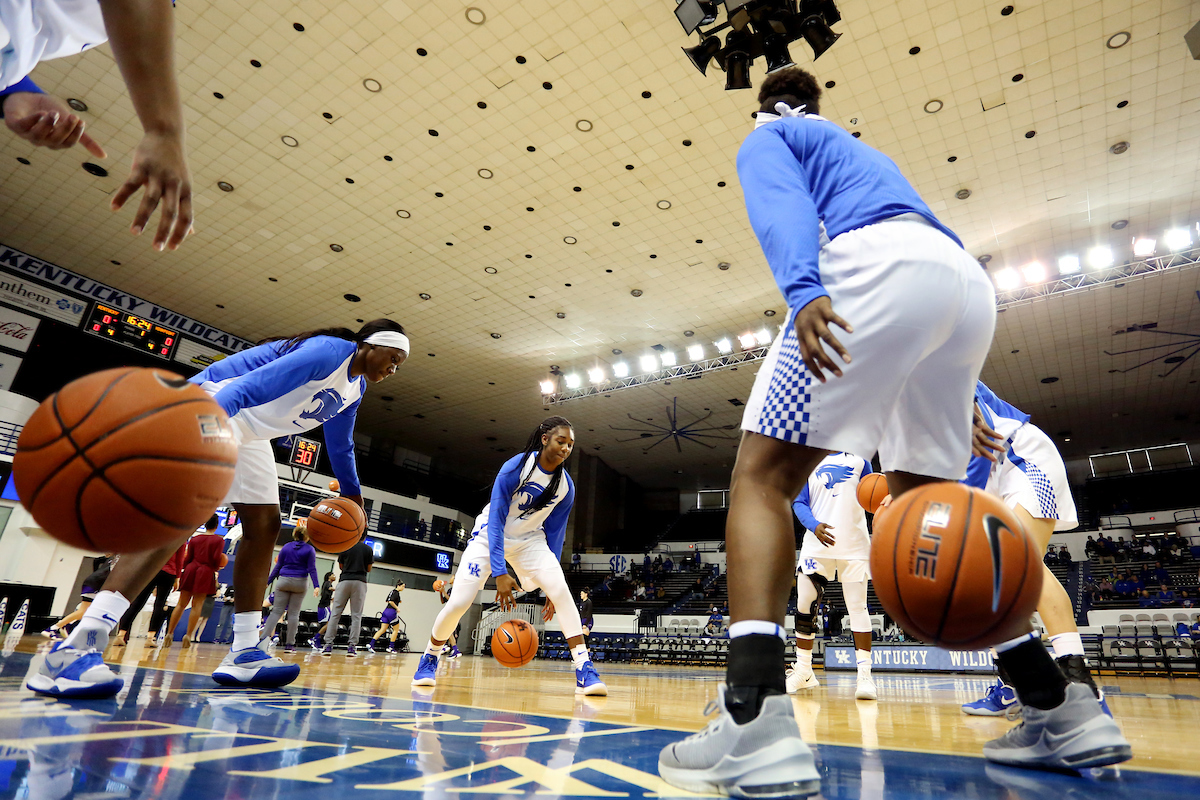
1042	487
785	413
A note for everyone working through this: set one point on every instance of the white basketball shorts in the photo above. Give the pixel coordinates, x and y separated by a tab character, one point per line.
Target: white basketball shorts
923	313
854	570
1034	477
531	559
255	481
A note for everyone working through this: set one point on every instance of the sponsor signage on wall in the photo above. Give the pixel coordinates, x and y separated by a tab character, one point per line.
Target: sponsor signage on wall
16	329
53	291
197	355
9	364
912	658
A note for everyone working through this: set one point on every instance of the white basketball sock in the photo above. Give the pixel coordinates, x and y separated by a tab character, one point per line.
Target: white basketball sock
804	660
862	658
98	621
245	629
1067	644
579	654
432	649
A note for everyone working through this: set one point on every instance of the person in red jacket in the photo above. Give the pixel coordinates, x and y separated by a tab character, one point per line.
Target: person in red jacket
162	585
205	557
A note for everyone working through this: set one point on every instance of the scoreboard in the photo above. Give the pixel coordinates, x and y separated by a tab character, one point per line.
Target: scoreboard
132	331
304	453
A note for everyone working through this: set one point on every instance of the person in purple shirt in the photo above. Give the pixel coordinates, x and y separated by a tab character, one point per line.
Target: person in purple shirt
297	559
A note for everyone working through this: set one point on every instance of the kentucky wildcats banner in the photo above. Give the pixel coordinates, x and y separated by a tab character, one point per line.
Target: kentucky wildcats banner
912	658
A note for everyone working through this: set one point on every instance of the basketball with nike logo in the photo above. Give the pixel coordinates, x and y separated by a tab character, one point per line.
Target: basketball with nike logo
335	524
954	567
515	643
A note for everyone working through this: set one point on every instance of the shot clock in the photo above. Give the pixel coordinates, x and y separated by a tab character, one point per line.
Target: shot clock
132	331
304	453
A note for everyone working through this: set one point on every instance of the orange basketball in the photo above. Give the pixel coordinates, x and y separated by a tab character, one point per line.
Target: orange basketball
124	460
955	567
335	524
334	486
438	585
871	491
515	643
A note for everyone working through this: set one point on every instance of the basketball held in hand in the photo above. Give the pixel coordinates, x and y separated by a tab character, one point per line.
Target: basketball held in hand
335	524
515	643
871	491
124	460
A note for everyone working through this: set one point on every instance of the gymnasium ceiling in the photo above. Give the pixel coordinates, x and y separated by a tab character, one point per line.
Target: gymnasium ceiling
490	265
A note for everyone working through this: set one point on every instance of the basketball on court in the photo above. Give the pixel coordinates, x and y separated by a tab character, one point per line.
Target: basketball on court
124	460
954	567
335	524
438	585
871	491
515	643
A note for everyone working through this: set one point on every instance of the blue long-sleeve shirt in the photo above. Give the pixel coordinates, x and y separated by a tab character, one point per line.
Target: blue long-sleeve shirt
295	560
518	486
800	171
270	393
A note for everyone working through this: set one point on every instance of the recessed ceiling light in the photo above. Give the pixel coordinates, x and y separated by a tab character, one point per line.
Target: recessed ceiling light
616	224
830	84
770	312
723	265
487	227
1051	379
402	214
387	158
485	173
547	85
490	270
687	142
353	298
636	292
578	188
1018	78
1119	148
423	296
584	125
699	241
985	258
1122	104
934	106
298	27
857	134
529	208
225	186
349	180
438	194
567	285
475	16
560	315
1030	134
337	248
646	95
1118	40
720	183
529	255
963	194
520	59
449	244
421	51
432	132
1004	12
372	85
663	204
326	115
912	51
220	306
95	169
273	280
495	335
116	263
531	148
254	62
629	166
76	104
1119	224
218	95
290	141
689	333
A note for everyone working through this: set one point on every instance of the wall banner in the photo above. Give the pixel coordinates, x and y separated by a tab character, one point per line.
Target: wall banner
912	658
17	329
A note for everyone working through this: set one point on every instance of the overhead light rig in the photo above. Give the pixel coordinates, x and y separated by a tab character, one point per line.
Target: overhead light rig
756	28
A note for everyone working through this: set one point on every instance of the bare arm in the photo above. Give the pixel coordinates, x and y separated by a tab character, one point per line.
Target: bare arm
142	35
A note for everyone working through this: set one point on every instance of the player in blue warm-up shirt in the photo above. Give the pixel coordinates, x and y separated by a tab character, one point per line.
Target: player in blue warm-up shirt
524	524
916	316
282	387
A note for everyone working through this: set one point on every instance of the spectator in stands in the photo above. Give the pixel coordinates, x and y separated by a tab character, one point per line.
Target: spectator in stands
1138	583
1165	596
1106	587
1186	600
576	562
698	586
658	563
1091	548
1159	574
1106	553
1148	549
668	565
1145	600
1124	587
715	623
660	592
697	562
1064	556
1196	629
639	592
1051	557
605	587
1092	591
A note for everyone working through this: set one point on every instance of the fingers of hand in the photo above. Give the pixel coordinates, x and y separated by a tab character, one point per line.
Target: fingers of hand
833	342
168	217
134	182
818	352
150	201
92	146
183	220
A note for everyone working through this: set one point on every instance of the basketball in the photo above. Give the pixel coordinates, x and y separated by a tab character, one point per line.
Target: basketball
515	643
954	567
124	460
335	524
438	585
871	491
334	486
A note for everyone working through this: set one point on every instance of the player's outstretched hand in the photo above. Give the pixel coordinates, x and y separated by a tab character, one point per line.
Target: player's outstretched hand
824	536
160	165
505	586
985	442
812	328
548	610
44	121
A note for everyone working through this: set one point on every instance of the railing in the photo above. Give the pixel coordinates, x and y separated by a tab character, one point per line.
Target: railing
1108	523
1192	515
9	433
493	618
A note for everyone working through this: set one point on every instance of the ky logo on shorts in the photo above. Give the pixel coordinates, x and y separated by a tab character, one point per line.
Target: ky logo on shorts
473	569
810	564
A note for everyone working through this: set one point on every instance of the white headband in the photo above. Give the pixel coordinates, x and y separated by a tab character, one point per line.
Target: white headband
389	339
782	110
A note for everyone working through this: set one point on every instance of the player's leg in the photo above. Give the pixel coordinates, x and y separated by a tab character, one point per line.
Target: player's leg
74	667
810	588
544	569
328	632
473	572
854	577
134	609
185	600
358	599
193	618
278	607
164	584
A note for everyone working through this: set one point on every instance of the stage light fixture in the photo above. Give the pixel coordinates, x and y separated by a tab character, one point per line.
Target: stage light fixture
547	387
595	375
737	61
763	337
648	363
1068	265
694	13
574	381
620	370
695	352
1034	272
668	359
746	340
1100	257
776	52
1144	247
1177	239
1007	279
724	346
816	17
703	53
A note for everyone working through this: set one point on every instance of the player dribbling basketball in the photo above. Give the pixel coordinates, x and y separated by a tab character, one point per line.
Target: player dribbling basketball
525	524
919	315
281	387
836	546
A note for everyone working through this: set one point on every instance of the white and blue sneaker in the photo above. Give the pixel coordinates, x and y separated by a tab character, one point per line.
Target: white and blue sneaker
587	681
426	671
254	667
998	702
70	672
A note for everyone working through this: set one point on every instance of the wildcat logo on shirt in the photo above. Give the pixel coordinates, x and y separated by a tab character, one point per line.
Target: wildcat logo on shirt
528	494
329	403
833	475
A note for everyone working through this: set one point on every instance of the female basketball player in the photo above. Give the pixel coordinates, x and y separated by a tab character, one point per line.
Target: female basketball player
1032	480
389	619
281	387
524	524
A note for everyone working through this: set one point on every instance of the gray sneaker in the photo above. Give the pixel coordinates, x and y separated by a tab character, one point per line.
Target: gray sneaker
1075	735
765	758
